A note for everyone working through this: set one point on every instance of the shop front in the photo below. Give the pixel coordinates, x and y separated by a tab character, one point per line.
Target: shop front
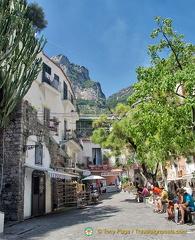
111	176
187	182
38	190
111	181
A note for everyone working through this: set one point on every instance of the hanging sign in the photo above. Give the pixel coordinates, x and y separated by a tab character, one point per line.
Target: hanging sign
86	173
109	174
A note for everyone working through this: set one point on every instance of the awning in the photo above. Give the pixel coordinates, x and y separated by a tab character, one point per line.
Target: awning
73	169
188	176
52	173
174	179
106	170
109	174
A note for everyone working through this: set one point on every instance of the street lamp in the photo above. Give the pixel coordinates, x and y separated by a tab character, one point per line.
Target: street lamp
40	137
38	143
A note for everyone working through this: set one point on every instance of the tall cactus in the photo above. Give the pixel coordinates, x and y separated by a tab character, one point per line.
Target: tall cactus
19	64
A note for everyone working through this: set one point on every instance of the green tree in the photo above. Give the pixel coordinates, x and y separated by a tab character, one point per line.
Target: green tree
19	64
124	137
108	131
163	97
159	125
36	14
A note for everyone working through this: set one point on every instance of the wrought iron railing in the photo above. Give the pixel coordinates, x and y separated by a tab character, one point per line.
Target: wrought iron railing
67	95
52	82
72	135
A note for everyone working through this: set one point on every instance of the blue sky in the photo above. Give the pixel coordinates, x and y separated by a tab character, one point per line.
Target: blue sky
110	37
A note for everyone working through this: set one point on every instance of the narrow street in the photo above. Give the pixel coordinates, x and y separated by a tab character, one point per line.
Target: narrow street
116	216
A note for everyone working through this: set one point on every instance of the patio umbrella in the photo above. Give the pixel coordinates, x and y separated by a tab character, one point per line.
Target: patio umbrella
93	177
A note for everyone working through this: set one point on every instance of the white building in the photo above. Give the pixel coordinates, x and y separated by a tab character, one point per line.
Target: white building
52	96
93	158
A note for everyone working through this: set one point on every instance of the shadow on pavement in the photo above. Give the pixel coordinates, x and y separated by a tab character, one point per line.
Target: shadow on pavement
108	195
129	200
61	219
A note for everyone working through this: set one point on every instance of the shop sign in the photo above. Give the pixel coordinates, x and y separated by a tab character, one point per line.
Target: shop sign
86	173
109	174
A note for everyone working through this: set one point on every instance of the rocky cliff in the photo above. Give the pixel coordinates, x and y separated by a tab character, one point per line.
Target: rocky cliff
83	87
90	98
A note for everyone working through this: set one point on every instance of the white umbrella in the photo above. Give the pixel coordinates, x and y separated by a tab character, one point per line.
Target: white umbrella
92	177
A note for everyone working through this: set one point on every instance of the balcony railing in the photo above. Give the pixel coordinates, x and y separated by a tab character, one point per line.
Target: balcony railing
85	132
52	82
98	167
67	95
72	135
52	124
55	121
52	128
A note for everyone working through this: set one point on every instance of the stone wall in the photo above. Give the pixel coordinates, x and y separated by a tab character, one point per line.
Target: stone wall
23	123
10	149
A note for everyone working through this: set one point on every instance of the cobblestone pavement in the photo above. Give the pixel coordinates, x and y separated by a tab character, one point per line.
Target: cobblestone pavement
116	216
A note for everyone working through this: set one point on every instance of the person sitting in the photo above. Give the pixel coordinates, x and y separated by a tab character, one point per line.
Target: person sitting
172	205
170	209
157	194
163	200
139	190
177	202
187	205
142	192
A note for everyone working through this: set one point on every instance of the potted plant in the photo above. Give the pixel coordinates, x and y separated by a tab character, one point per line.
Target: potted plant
129	189
124	186
80	165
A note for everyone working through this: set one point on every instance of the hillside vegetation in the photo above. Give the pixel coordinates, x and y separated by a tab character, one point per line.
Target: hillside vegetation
102	106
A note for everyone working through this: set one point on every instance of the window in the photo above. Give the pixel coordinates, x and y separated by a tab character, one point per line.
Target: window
84	127
46	76
97	156
46	69
56	77
55	83
46	119
65	128
65	91
39	154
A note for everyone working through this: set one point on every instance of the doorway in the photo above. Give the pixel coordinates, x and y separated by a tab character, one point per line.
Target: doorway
38	193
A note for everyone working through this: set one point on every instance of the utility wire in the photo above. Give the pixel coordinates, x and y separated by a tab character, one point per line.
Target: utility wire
90	59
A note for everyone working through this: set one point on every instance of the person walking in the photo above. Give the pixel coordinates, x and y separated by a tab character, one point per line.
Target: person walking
98	184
